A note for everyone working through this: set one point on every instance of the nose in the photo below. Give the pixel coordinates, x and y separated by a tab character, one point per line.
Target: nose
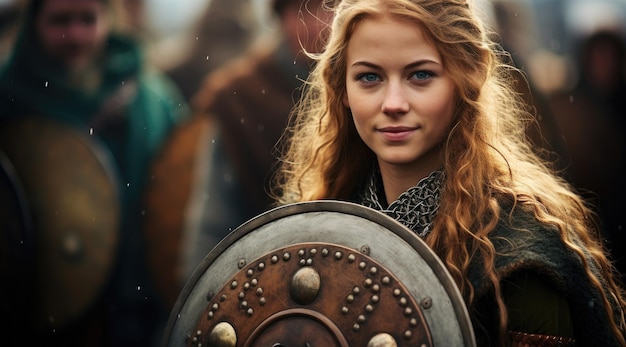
395	102
76	32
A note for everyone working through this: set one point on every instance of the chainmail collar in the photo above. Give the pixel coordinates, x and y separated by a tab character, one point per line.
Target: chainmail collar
416	208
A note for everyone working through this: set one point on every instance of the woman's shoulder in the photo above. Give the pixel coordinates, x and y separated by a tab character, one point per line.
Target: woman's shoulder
524	243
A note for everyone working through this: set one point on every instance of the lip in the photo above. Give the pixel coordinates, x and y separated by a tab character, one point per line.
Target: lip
397	133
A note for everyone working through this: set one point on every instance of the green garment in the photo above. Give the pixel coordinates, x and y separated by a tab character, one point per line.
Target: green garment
542	281
132	112
536	307
30	85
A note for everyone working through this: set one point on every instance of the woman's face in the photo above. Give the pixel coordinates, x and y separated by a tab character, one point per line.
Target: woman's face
72	31
401	98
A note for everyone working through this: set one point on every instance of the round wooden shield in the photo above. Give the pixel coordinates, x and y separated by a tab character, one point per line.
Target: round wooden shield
16	248
71	188
322	273
167	197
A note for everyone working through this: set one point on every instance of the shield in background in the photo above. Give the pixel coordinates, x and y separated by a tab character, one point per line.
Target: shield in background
322	273
16	248
173	180
69	184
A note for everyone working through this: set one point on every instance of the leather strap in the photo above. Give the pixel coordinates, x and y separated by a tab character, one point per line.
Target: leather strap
536	340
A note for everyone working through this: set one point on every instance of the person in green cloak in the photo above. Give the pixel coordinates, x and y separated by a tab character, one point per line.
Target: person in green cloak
71	65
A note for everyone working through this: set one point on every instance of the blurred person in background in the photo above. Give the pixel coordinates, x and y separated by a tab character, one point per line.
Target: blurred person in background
9	14
249	101
222	32
517	30
592	120
72	69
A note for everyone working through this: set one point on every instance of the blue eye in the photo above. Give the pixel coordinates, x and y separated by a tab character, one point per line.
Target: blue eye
422	75
368	77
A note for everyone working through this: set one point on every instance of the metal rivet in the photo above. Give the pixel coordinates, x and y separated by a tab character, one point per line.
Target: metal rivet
413	322
344	310
302	262
325	252
427	303
365	250
274	259
254	282
356	290
369	308
373	270
286	256
210	315
233	285
403	301
386	280
199	332
313	251
262	301
250	311
362	265
408	334
408	311
309	262
375	299
246	286
356	327
261	266
351	258
361	319
338	255
215	306
397	292
301	252
250	273
259	291
376	288
241	295
367	283
350	299
241	263
244	304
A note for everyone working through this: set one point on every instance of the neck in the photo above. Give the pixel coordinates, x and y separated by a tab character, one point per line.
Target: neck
87	78
397	179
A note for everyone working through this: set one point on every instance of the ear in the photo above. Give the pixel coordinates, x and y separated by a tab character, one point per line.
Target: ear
346	102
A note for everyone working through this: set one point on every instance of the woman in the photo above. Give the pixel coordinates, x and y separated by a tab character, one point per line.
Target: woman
72	66
410	111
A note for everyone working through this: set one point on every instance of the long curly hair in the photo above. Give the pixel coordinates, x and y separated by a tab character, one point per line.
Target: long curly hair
487	157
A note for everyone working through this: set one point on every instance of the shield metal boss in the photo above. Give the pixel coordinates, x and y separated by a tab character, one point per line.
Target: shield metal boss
322	273
71	189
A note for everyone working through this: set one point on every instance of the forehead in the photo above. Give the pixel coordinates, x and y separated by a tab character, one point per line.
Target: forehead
68	5
390	36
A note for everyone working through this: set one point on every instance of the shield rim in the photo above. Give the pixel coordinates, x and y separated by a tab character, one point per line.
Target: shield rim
344	207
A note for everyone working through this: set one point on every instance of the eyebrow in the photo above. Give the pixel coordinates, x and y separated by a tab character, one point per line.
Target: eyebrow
409	66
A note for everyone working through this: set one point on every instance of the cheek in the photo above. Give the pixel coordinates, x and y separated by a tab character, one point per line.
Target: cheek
442	118
49	36
102	29
361	122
